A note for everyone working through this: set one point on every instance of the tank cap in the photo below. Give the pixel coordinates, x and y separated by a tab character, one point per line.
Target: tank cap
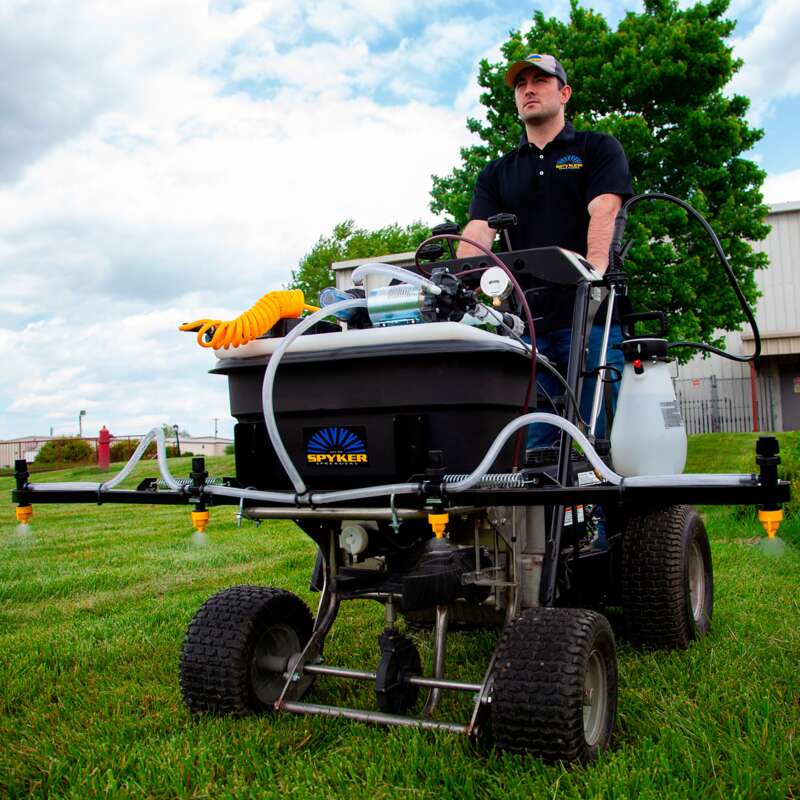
644	349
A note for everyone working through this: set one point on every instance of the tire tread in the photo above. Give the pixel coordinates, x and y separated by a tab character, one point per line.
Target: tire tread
539	673
215	659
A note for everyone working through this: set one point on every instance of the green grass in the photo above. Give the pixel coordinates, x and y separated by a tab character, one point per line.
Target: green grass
94	603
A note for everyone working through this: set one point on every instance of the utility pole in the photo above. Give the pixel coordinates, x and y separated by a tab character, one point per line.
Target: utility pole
81	415
216	420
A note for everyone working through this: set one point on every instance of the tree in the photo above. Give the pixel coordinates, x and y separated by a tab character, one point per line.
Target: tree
656	83
169	431
314	272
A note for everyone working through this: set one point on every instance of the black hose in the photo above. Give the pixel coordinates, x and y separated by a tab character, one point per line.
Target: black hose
616	260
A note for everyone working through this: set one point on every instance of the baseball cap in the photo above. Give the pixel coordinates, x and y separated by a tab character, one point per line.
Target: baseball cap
547	64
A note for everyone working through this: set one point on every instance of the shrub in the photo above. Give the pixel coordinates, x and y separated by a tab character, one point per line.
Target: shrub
122	451
65	451
230	449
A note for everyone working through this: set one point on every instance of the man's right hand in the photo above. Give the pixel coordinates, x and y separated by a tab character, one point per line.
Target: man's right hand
479	231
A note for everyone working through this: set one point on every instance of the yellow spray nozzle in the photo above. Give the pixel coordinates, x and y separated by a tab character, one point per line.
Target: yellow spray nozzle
438	523
24	513
771	520
200	520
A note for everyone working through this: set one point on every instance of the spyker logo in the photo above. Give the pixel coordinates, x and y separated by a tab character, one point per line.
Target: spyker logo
336	446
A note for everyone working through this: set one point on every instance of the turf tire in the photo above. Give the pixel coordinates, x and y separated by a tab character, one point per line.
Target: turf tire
541	675
219	673
667	578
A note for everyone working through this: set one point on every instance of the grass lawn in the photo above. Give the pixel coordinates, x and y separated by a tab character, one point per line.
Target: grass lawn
94	602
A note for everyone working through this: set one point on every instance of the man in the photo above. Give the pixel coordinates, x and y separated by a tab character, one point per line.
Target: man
565	187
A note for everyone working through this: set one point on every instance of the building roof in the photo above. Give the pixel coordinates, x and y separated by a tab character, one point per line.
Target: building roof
782	208
390	259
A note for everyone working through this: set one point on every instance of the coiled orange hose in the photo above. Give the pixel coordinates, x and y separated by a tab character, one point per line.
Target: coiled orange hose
251	324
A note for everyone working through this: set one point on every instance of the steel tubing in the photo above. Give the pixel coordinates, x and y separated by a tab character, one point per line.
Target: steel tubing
321	512
373	716
415	680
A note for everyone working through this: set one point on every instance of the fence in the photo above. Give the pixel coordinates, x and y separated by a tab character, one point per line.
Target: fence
717	405
29	448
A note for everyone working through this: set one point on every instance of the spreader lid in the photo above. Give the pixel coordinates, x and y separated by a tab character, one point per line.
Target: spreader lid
426	337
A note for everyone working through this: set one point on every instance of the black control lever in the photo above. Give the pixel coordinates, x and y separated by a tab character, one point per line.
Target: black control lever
447	229
502	222
432	251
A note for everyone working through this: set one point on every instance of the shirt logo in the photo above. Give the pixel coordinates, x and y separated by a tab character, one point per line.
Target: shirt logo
569	162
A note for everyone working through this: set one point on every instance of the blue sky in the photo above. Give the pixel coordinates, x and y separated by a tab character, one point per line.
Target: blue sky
163	160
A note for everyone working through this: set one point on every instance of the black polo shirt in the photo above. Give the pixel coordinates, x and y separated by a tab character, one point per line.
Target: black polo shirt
549	190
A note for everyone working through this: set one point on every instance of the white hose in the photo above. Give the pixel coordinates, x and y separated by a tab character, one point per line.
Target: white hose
521	422
269	379
696	479
250	494
375	268
161	450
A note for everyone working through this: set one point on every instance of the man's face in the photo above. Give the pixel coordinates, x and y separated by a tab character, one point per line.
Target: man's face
539	97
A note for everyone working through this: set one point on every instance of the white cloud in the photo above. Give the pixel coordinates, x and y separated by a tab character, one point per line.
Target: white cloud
782	187
770	73
168	198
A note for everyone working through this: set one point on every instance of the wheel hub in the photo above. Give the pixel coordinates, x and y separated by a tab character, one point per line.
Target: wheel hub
697	581
595	698
274	647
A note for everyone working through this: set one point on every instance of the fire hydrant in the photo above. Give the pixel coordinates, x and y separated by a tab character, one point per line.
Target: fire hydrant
104	448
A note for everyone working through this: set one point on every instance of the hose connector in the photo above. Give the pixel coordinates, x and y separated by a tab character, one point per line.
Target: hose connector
24	514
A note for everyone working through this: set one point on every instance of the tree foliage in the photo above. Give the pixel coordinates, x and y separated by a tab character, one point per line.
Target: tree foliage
169	431
347	241
656	83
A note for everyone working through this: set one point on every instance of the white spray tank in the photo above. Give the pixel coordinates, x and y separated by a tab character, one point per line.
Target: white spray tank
648	436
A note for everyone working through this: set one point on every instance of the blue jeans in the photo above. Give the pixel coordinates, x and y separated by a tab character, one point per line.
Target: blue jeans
555	345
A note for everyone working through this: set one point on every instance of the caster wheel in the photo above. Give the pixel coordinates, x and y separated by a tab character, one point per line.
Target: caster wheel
236	648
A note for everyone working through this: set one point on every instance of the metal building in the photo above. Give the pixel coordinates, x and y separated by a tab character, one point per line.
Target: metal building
717	394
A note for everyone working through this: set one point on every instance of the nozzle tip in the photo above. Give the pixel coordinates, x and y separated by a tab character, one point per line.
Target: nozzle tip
770	520
200	520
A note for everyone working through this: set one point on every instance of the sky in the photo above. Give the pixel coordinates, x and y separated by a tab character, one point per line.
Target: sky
166	160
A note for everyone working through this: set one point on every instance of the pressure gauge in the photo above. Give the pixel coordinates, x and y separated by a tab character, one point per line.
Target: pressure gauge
496	284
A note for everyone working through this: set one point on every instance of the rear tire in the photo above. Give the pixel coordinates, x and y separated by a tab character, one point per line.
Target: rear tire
667	578
555	685
222	667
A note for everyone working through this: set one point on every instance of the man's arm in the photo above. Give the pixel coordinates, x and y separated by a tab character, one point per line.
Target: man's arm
602	213
479	231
